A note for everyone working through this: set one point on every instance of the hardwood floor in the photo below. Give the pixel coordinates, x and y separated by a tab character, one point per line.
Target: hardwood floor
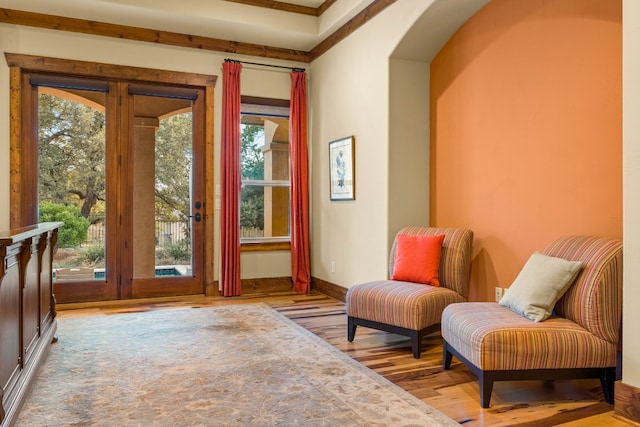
453	392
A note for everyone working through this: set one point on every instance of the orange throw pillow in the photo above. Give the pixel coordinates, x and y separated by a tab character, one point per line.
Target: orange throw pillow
418	259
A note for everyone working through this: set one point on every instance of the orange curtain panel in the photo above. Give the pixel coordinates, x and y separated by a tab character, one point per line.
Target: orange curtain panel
300	258
230	181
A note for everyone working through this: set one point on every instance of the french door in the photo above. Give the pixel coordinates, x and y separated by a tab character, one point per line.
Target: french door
162	191
124	163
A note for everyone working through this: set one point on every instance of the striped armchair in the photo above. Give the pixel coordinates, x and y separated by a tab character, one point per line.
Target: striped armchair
413	309
580	340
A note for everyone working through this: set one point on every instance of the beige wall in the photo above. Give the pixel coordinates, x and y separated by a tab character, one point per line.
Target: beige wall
256	81
631	190
357	89
408	150
350	95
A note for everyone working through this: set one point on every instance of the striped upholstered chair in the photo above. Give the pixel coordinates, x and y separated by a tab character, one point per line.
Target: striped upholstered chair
580	339
413	309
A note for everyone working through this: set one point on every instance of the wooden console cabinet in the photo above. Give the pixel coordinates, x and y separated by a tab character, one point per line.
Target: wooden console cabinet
27	311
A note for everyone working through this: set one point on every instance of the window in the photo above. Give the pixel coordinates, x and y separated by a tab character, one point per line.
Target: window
264	165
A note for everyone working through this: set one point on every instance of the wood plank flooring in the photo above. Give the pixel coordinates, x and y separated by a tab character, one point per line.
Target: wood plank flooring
453	392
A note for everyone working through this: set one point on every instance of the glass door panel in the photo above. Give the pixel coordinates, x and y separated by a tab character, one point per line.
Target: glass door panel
166	206
72	185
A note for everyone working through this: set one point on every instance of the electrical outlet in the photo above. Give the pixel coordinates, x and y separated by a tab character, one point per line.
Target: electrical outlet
498	294
333	267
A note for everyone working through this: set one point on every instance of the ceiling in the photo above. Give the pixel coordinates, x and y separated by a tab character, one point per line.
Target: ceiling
292	24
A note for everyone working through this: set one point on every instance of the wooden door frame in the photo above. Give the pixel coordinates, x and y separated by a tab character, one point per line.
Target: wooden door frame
23	138
148	287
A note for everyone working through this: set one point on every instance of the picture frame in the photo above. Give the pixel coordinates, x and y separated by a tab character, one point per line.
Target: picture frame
342	169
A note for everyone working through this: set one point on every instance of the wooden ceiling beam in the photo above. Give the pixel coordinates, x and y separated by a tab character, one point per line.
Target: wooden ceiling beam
324	6
281	6
289	7
350	27
53	22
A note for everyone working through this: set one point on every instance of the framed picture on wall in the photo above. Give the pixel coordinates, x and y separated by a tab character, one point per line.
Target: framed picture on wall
342	169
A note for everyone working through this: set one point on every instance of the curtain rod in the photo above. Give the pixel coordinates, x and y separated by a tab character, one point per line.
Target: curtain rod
294	69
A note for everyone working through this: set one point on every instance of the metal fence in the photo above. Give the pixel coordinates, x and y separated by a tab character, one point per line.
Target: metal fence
167	232
247	232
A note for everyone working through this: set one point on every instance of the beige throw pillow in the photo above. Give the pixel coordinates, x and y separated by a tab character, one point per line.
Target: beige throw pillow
539	285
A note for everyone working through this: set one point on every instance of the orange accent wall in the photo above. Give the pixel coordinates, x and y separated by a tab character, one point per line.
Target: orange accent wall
526	130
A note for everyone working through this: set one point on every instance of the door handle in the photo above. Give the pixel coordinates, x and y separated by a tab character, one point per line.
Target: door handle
197	217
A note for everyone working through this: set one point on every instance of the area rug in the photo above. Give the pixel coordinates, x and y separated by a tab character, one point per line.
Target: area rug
240	365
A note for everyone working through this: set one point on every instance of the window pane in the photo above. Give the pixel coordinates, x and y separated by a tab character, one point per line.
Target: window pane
264	198
162	155
264	212
251	212
251	154
71	178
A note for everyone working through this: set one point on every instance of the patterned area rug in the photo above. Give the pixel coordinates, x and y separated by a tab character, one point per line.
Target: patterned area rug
240	365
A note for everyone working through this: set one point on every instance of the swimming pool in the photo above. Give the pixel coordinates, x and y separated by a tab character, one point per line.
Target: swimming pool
162	271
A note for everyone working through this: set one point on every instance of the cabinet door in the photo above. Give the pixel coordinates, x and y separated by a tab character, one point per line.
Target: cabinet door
10	318
30	296
46	284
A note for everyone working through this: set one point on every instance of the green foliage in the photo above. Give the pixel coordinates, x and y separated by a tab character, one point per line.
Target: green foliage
173	167
174	252
93	254
252	208
75	227
252	167
251	156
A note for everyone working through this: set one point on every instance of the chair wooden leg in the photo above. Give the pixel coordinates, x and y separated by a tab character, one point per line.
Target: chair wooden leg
351	328
446	356
416	342
486	388
608	384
